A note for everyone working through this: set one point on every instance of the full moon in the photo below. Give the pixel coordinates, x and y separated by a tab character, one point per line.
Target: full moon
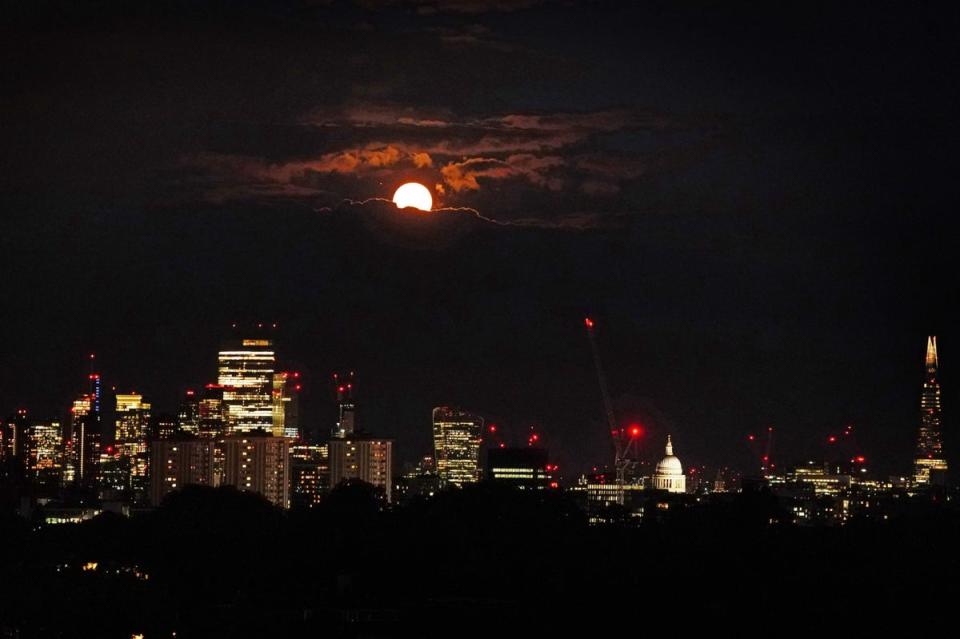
415	195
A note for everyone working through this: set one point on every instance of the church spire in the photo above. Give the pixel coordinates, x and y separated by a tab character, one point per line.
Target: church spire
932	352
669	446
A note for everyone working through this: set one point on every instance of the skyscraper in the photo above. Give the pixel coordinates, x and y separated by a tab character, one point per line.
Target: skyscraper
212	412
930	465
131	435
286	404
246	375
83	459
85	442
346	408
456	442
188	413
45	456
16	438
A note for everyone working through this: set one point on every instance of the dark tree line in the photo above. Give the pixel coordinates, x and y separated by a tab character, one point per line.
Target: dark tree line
481	561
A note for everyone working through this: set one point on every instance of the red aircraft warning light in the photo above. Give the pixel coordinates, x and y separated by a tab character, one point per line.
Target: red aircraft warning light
635	430
588	322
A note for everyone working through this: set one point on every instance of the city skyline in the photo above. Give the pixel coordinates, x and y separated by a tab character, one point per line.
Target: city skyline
389	318
133	425
740	224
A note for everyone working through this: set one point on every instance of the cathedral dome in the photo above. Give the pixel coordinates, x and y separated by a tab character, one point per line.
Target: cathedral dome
670	465
669	474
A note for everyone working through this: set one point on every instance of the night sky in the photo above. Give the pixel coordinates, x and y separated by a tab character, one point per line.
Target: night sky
757	207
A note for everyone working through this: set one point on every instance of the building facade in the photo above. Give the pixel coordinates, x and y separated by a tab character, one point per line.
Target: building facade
258	463
366	458
309	474
525	468
180	461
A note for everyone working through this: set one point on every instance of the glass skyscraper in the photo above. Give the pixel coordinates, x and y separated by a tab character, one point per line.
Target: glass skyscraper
930	464
45	458
456	442
131	436
246	375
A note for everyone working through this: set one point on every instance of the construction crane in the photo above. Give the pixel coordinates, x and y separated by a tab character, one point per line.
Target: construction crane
768	464
624	439
766	459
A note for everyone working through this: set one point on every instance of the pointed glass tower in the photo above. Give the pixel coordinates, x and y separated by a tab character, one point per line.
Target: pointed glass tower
930	464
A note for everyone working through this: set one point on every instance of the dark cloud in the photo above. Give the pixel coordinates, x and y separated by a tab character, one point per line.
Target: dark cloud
553	152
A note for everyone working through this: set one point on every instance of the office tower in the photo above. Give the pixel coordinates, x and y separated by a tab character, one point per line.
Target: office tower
85	442
291	406
524	468
286	404
211	412
188	414
456	442
132	421
131	436
85	435
45	456
309	474
279	382
16	441
930	465
346	408
114	475
258	463
362	457
246	375
179	461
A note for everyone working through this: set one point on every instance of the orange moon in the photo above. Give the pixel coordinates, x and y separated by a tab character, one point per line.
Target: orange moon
413	194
